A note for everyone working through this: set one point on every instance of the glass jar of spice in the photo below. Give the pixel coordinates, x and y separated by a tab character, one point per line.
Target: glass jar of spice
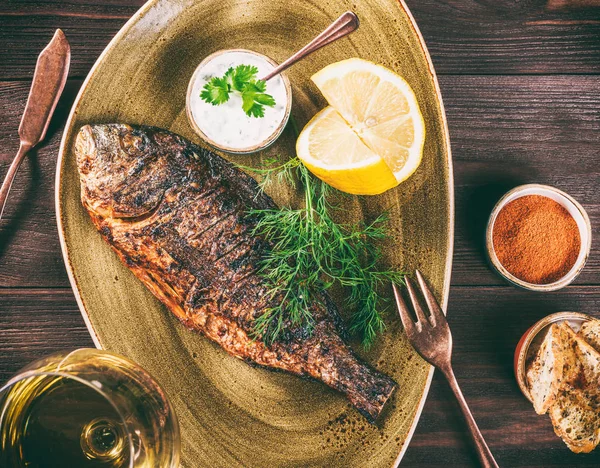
538	237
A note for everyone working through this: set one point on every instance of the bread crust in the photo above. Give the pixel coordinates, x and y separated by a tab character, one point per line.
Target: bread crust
564	380
545	374
575	420
590	332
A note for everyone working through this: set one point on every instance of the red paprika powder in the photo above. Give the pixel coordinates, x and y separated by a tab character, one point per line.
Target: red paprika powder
536	239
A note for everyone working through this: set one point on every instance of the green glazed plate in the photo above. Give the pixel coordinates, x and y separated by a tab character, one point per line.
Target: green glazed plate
231	414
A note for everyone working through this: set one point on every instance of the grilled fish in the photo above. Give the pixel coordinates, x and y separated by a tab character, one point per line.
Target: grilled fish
177	216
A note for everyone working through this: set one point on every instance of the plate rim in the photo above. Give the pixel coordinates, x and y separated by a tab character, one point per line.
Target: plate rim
450	233
450	184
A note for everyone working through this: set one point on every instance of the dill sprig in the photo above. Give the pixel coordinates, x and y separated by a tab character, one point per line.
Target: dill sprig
312	252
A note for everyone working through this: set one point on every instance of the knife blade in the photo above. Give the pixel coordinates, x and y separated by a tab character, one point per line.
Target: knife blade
49	80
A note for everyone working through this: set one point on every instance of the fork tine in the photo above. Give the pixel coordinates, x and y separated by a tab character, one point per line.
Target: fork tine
421	318
434	308
407	321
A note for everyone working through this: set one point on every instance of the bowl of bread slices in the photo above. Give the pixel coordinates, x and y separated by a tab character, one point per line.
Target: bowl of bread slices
557	365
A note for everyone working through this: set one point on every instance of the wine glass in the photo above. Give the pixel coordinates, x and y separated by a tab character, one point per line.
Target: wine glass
86	408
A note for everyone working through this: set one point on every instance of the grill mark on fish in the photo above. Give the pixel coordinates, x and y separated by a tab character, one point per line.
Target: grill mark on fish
231	231
247	275
221	255
203	231
194	249
207	214
197	260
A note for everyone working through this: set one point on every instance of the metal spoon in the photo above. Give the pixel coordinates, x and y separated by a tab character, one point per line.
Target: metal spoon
48	83
344	25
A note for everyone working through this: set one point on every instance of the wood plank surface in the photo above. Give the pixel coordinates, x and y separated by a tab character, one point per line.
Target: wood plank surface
521	86
463	36
505	131
37	322
511	37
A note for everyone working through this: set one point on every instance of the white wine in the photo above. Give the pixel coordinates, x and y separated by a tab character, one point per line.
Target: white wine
86	408
53	421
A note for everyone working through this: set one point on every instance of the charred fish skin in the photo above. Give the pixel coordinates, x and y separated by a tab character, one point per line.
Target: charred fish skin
176	215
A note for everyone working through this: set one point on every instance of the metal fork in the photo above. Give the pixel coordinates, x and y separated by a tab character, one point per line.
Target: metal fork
430	336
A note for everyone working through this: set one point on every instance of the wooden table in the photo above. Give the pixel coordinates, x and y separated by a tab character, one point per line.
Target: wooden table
521	86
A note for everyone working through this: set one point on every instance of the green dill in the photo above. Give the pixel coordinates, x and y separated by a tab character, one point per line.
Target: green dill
243	80
312	252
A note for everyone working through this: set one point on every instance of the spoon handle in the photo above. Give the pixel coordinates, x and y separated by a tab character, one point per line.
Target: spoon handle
344	25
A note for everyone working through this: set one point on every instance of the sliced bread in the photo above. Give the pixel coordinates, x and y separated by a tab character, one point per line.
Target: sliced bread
590	332
575	419
575	413
545	374
585	373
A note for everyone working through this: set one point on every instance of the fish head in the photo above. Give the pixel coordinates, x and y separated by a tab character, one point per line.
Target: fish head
122	170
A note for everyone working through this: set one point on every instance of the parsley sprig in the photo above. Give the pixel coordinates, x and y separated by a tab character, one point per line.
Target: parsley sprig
243	80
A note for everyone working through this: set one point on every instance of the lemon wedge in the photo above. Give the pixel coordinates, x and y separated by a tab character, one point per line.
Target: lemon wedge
333	152
371	137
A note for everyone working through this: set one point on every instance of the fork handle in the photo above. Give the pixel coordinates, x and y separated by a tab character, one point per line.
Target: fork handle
10	175
483	452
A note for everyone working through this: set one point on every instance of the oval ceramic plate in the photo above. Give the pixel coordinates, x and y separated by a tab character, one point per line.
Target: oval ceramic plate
232	414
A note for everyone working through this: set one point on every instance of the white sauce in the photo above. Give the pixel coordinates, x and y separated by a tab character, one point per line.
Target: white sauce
227	125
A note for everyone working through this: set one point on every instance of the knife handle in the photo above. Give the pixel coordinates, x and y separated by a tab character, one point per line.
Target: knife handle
10	175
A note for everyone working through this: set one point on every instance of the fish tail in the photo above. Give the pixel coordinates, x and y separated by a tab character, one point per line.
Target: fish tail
367	389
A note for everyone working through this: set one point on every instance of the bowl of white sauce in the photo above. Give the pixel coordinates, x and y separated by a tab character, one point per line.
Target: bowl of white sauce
226	126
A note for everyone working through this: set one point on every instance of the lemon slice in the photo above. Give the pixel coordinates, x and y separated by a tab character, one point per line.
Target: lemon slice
380	109
333	152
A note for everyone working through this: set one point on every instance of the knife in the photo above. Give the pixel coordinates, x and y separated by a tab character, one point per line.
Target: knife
49	81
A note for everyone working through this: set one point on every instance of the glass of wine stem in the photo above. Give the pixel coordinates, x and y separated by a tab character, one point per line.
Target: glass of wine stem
86	408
